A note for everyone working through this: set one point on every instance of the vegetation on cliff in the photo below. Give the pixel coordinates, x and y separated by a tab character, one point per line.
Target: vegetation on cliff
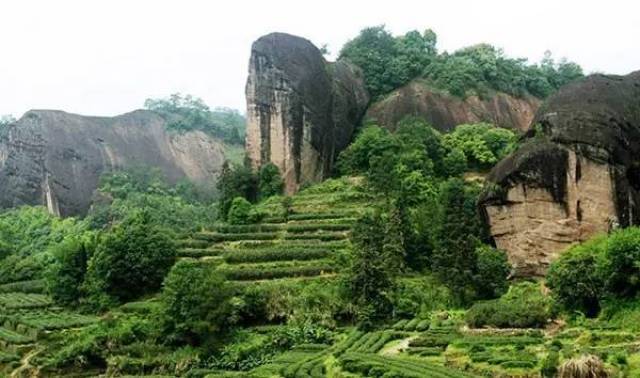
185	113
391	61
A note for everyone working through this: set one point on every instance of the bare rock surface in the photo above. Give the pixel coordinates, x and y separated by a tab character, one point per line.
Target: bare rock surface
444	111
301	110
575	174
54	158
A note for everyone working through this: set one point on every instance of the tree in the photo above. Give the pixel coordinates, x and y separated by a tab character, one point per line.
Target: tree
66	274
239	211
455	258
232	183
196	303
270	181
576	278
186	113
130	261
377	260
455	163
492	270
623	270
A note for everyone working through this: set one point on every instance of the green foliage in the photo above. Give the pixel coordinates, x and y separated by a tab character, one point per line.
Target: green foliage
417	297
196	303
182	207
26	233
523	306
93	345
604	268
455	258
234	182
550	364
239	211
455	162
492	270
576	278
622	270
130	261
389	62
482	144
270	181
66	274
186	113
377	260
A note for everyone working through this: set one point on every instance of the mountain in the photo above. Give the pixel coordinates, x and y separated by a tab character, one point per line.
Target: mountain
54	158
301	110
575	174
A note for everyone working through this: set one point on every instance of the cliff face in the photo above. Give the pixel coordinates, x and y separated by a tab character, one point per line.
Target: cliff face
577	173
444	111
301	110
55	159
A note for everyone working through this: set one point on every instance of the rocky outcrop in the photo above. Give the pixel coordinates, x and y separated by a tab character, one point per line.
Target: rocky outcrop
576	173
301	110
444	111
55	159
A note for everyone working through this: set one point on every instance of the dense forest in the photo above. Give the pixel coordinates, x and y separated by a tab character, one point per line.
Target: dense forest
390	62
383	270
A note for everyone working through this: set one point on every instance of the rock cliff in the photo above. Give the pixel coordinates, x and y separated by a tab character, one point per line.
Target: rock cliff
576	173
55	159
444	111
301	110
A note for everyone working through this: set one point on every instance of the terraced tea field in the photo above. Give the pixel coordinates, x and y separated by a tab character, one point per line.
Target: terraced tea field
298	239
27	321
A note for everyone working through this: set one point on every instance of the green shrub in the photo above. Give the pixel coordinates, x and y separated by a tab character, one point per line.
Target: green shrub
576	278
195	303
239	211
129	261
523	306
492	272
248	256
622	270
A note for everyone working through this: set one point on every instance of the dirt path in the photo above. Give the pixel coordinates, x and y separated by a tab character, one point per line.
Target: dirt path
25	363
398	347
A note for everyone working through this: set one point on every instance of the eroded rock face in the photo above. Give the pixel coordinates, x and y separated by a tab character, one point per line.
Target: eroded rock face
577	173
301	110
444	111
55	159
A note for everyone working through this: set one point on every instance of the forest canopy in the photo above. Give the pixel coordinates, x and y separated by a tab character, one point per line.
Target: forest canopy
186	113
391	61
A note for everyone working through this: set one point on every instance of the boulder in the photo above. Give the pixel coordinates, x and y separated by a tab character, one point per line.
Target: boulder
444	111
576	173
55	159
301	110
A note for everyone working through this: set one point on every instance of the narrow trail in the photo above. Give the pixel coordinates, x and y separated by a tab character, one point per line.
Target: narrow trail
399	347
25	363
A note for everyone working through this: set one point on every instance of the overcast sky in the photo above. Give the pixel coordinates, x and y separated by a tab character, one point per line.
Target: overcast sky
106	57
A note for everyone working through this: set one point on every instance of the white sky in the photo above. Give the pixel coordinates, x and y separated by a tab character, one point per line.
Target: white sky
106	57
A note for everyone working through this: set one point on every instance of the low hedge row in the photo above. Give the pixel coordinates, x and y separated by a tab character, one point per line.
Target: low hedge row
218	237
277	272
29	287
320	237
267	255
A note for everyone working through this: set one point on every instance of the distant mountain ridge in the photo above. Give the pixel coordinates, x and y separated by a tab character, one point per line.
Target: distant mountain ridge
55	159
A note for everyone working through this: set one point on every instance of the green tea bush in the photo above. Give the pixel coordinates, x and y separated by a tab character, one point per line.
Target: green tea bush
257	255
523	306
249	274
239	211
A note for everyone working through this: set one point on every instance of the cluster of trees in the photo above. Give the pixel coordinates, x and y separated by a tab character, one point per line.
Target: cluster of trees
184	113
602	269
390	62
428	220
100	270
239	187
181	207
